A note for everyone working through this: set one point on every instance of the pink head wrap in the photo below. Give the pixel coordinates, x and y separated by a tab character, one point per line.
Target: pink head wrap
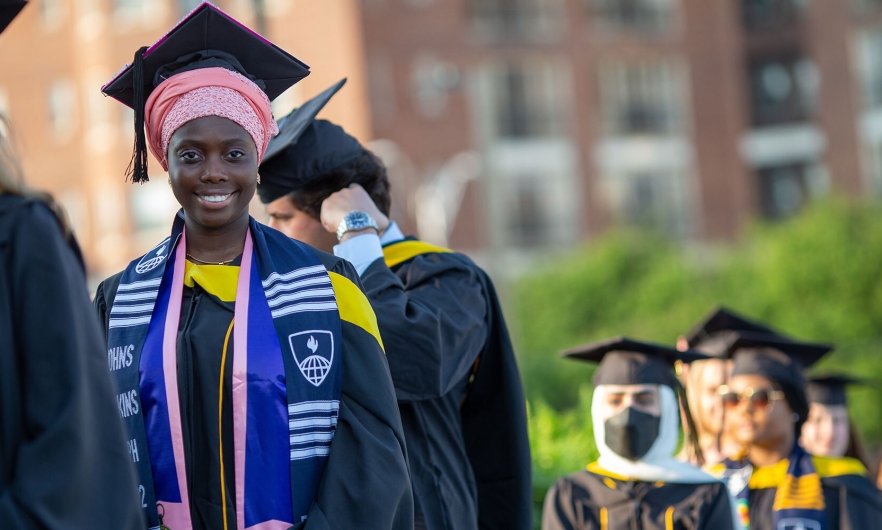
205	92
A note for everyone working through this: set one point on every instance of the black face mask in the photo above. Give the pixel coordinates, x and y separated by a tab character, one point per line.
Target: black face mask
631	433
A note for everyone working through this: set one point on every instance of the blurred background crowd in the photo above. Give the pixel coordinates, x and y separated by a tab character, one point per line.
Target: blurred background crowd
619	166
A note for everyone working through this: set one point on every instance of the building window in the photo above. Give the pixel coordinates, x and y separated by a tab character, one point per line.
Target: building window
517	19
784	190
783	89
527	220
866	5
62	109
771	15
529	100
641	98
869	49
647	16
52	12
656	200
185	6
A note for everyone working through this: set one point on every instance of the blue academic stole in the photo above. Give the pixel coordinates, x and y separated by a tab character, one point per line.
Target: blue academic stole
287	374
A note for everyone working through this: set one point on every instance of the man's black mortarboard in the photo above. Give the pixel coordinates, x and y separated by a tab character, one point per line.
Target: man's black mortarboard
711	334
829	389
9	9
205	38
305	149
625	361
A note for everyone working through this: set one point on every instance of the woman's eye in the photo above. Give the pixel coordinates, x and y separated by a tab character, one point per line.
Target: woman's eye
189	155
236	154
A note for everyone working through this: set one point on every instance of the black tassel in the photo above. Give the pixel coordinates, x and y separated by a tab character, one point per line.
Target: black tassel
137	170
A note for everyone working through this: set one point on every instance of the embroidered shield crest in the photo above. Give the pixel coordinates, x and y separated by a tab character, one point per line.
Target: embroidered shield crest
153	259
314	354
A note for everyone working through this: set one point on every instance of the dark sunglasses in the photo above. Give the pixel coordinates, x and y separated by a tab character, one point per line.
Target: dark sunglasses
760	398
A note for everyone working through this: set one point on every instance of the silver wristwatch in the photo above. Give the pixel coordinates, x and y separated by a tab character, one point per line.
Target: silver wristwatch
355	220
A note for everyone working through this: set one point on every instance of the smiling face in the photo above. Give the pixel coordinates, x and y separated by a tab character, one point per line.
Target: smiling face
766	425
212	163
825	433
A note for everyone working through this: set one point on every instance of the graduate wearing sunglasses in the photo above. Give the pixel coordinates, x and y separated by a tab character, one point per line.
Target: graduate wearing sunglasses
776	483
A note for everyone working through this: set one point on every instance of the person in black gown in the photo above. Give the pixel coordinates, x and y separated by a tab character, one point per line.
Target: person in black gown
776	483
636	482
63	457
449	352
253	375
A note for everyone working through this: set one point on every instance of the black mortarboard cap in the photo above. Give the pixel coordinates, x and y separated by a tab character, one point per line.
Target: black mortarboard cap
9	9
772	356
305	149
711	334
778	359
626	361
205	38
829	389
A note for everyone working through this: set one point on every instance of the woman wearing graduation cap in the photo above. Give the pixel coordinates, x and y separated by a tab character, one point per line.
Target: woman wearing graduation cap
828	431
776	483
637	482
249	367
703	379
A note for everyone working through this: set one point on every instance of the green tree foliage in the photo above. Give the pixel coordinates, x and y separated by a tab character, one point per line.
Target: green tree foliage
816	277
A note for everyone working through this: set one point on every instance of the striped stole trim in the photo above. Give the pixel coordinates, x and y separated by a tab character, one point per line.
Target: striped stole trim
800	493
304	289
133	305
312	425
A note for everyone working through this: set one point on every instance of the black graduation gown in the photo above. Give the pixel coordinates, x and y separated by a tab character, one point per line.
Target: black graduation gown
852	503
64	462
365	484
589	501
470	460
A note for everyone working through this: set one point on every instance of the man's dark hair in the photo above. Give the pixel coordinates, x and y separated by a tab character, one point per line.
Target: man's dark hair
366	170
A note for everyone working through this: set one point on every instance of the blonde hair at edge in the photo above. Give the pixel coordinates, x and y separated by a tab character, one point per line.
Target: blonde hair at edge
703	380
12	178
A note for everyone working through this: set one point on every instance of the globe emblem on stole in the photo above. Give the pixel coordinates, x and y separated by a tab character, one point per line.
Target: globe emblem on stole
152	259
314	354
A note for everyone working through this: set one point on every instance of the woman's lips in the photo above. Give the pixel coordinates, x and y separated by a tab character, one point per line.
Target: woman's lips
215	200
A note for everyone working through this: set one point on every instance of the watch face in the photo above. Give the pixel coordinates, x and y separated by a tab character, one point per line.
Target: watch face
355	220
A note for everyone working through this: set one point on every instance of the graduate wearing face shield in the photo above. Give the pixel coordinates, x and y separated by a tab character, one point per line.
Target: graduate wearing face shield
636	410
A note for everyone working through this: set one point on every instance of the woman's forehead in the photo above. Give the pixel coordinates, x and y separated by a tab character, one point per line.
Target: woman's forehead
752	380
628	389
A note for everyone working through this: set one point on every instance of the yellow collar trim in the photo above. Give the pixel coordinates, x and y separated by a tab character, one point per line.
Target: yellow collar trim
774	475
398	253
218	280
354	306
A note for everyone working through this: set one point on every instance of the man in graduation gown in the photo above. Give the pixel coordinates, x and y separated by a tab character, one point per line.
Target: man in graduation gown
776	483
636	482
63	463
451	360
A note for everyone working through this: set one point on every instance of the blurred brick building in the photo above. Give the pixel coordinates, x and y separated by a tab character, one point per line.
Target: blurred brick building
689	116
509	126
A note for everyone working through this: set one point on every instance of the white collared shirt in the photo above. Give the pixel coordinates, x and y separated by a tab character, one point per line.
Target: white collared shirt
365	249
